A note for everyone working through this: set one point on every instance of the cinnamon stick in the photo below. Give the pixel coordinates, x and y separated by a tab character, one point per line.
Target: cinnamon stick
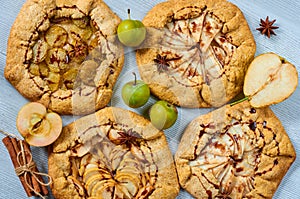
7	141
37	186
17	148
34	183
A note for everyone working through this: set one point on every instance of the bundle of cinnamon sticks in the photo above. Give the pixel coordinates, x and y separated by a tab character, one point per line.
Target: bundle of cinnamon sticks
21	157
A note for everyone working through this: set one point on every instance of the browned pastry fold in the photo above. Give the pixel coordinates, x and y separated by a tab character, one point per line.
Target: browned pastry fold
113	153
196	52
234	152
64	54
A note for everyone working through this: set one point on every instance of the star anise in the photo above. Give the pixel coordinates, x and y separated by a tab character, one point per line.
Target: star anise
162	63
129	137
266	27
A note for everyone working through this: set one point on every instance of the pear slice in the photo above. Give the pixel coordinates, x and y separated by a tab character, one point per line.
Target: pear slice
37	126
270	79
40	51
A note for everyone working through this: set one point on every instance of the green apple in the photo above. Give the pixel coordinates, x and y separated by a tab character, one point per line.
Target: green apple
135	93
131	32
163	115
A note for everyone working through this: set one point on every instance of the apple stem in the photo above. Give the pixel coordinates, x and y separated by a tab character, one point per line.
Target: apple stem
128	11
239	101
134	78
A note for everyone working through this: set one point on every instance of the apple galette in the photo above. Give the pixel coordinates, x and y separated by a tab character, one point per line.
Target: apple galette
64	54
196	52
113	153
234	152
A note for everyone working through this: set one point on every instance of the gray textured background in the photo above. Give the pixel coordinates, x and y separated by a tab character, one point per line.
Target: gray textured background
286	44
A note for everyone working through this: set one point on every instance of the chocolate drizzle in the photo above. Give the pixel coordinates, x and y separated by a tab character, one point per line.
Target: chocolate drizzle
202	132
61	67
233	168
275	162
252	110
129	153
193	7
195	40
208	192
252	126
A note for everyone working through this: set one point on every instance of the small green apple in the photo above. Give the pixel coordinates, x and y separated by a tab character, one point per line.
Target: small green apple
135	93
131	32
163	115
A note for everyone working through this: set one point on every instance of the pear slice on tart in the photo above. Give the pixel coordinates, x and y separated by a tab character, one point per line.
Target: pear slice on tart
47	57
37	126
270	79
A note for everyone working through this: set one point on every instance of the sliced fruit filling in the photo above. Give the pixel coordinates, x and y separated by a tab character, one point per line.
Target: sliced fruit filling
59	51
113	163
194	50
233	155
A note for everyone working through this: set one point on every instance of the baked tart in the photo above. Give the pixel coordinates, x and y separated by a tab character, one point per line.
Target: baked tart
113	153
234	152
196	53
64	54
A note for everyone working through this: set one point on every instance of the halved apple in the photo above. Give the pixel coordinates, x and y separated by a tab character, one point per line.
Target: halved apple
270	79
37	126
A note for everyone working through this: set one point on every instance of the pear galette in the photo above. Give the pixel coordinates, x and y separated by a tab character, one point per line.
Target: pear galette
113	153
196	52
64	54
234	152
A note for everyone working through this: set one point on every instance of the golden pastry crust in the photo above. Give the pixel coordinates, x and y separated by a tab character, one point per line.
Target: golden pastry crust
235	152
196	53
113	153
64	54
